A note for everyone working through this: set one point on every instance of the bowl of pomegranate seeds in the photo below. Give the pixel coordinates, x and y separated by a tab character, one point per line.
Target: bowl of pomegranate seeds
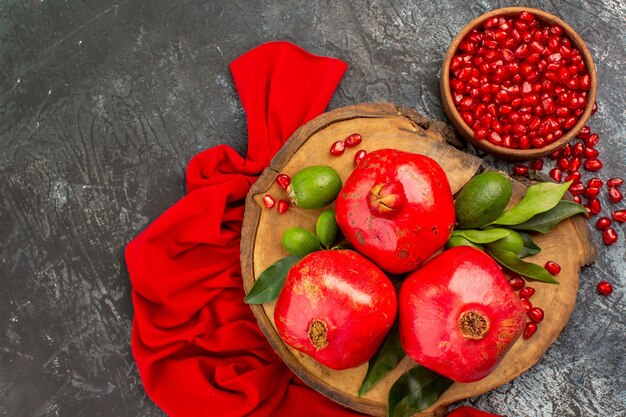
518	83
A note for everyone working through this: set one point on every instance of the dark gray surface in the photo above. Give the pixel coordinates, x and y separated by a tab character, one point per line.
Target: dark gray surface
102	104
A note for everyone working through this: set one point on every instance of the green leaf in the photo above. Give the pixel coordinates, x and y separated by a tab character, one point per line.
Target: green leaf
514	263
387	357
530	247
270	282
544	222
538	199
415	391
482	236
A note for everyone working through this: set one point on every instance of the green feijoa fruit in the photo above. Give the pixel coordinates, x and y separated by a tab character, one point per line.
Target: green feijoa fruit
482	200
513	242
315	187
300	242
326	228
461	241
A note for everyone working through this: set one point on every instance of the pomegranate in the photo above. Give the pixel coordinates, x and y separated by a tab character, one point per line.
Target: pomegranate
337	307
459	315
396	208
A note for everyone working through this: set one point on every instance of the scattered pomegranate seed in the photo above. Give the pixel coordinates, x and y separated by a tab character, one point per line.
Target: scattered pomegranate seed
592	140
593	165
353	140
576	199
358	157
615	195
577	188
574	164
579	149
520	169
573	176
594	182
604	288
269	201
609	236
603	223
526	292
619	216
527	304
530	329
556	154
537	164
337	148
283	181
614	182
594	205
556	174
591	153
517	283
552	267
283	206
591	192
536	314
584	133
589	213
563	164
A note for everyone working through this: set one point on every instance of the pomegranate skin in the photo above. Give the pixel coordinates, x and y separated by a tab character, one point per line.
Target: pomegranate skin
458	315
337	307
396	208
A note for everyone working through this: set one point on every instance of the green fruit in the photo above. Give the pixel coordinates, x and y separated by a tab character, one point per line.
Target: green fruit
482	200
326	228
300	242
513	243
461	241
315	187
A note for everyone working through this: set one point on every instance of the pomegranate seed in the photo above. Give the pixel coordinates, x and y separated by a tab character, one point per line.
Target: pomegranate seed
556	154
283	205
584	133
567	150
526	292
591	153
594	109
615	195
576	199
574	164
358	157
556	174
615	182
594	206
353	140
592	140
591	192
283	181
537	164
573	176
552	267
603	223
593	165
619	216
577	188
609	236
536	314
517	283
588	209
530	329
527	304
520	169
578	149
594	182
338	148
604	288
269	201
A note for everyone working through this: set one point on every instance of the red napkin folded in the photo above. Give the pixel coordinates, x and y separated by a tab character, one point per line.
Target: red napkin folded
198	347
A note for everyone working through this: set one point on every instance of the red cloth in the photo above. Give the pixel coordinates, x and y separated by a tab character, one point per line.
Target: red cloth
198	348
470	412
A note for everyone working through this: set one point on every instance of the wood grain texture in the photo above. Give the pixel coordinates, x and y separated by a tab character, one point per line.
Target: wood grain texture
385	125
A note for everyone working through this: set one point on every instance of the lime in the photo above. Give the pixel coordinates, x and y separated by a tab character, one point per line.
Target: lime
326	228
315	187
513	243
482	200
300	242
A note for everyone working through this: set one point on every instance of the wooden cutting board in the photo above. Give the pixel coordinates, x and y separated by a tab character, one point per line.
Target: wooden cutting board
385	125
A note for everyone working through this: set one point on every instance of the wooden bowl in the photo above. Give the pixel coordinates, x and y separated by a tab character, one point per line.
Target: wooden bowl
385	125
485	145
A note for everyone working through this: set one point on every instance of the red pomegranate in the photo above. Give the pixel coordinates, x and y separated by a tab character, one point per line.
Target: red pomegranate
459	315
396	208
337	307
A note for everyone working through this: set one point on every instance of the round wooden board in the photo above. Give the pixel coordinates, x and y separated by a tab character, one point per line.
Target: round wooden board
385	125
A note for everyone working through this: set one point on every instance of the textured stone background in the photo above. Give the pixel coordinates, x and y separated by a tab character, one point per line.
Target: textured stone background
103	103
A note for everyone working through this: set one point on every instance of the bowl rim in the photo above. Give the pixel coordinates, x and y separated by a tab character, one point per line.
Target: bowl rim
516	154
